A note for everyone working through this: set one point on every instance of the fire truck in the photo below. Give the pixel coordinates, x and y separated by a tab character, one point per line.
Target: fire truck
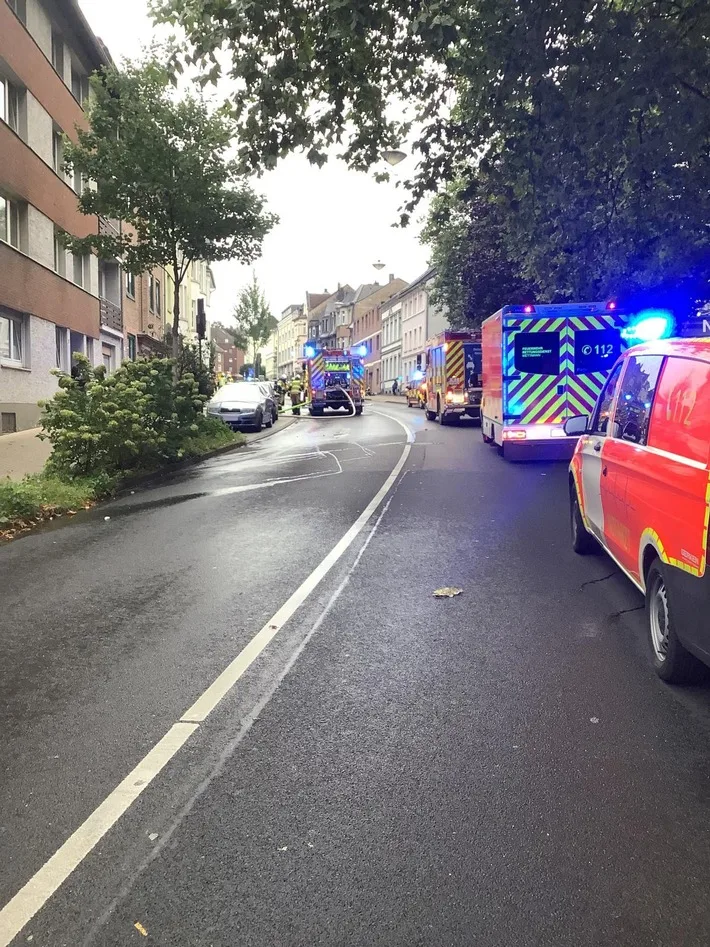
541	365
453	376
334	379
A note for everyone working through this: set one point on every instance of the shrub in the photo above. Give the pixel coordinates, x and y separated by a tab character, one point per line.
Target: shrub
136	418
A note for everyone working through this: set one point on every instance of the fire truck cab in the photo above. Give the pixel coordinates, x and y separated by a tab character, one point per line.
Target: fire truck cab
333	378
453	376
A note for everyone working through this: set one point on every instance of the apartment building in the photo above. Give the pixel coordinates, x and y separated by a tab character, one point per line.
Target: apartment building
367	330
391	312
291	334
420	321
228	358
53	304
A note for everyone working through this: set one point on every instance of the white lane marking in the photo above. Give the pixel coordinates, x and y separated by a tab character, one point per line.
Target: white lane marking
29	899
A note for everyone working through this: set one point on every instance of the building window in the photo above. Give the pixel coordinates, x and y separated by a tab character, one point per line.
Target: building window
57	151
11	341
158	304
151	293
20	8
90	350
58	53
79	86
10	222
80	269
12	99
62	340
130	285
132	347
60	255
108	354
77	182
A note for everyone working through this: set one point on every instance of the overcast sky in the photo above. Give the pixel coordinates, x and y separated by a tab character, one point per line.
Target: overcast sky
334	223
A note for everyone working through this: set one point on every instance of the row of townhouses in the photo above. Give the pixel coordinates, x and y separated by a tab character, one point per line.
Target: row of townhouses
392	323
54	304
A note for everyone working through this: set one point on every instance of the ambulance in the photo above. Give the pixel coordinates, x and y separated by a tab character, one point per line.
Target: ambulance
334	379
453	376
541	365
639	486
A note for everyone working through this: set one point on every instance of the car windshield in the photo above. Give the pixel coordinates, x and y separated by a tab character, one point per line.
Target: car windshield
243	392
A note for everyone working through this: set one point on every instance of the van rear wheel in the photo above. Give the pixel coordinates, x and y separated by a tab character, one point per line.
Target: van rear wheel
672	661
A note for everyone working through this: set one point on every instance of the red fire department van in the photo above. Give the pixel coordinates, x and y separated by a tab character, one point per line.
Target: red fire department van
333	379
640	486
541	365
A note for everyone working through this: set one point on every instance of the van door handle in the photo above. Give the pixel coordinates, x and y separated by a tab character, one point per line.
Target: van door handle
604	471
597	446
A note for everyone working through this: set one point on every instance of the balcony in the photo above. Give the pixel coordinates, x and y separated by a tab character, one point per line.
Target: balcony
110	295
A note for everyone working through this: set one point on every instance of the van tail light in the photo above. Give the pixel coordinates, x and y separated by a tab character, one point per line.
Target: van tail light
449	396
514	434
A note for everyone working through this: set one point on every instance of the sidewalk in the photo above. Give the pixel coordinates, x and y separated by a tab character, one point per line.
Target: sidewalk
22	453
392	399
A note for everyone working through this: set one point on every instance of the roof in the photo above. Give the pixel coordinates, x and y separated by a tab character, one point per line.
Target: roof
685	348
80	29
315	299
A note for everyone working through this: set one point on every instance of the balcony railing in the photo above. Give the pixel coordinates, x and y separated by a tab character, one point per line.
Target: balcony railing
111	315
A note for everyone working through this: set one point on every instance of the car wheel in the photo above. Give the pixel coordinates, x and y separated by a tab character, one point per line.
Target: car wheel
258	421
673	662
430	415
583	542
270	422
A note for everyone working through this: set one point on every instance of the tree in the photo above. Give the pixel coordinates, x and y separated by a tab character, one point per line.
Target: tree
254	321
475	273
161	165
587	123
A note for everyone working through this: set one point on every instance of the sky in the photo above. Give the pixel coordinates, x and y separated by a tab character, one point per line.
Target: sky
333	223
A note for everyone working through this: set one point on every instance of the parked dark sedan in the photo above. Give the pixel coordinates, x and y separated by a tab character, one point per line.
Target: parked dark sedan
242	406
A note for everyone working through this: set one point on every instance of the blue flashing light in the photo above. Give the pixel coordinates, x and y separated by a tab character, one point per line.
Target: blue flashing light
417	375
650	325
309	351
360	350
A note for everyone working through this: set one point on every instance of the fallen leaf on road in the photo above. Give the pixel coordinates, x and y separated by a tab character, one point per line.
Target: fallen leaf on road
141	930
447	592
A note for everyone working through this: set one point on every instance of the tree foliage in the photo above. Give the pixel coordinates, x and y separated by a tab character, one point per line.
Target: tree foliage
160	164
587	124
253	318
475	273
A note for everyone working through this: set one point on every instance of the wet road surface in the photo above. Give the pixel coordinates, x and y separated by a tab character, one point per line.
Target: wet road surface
500	768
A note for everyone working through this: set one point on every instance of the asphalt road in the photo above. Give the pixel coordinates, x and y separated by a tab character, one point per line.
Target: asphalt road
501	768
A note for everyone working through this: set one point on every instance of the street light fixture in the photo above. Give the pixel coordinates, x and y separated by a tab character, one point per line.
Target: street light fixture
379	265
393	156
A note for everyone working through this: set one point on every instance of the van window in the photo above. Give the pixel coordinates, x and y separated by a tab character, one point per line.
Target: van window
537	353
633	406
600	421
680	420
595	350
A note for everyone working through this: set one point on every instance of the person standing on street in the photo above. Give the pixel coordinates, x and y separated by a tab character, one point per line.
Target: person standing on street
295	390
395	387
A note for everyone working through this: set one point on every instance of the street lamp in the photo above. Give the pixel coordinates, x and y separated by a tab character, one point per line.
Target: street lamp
393	156
379	265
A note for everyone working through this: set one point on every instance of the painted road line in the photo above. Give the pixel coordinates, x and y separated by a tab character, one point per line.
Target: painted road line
43	884
28	900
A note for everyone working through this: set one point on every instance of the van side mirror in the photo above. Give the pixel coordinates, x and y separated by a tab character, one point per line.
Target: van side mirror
576	426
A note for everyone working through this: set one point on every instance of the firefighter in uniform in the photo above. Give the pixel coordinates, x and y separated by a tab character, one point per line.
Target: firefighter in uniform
296	390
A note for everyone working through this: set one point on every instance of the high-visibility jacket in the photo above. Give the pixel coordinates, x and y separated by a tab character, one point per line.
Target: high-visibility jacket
296	385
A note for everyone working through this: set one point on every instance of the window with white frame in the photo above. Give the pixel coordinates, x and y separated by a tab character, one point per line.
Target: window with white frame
10	222
79	85
57	151
80	269
130	285
62	342
11	338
